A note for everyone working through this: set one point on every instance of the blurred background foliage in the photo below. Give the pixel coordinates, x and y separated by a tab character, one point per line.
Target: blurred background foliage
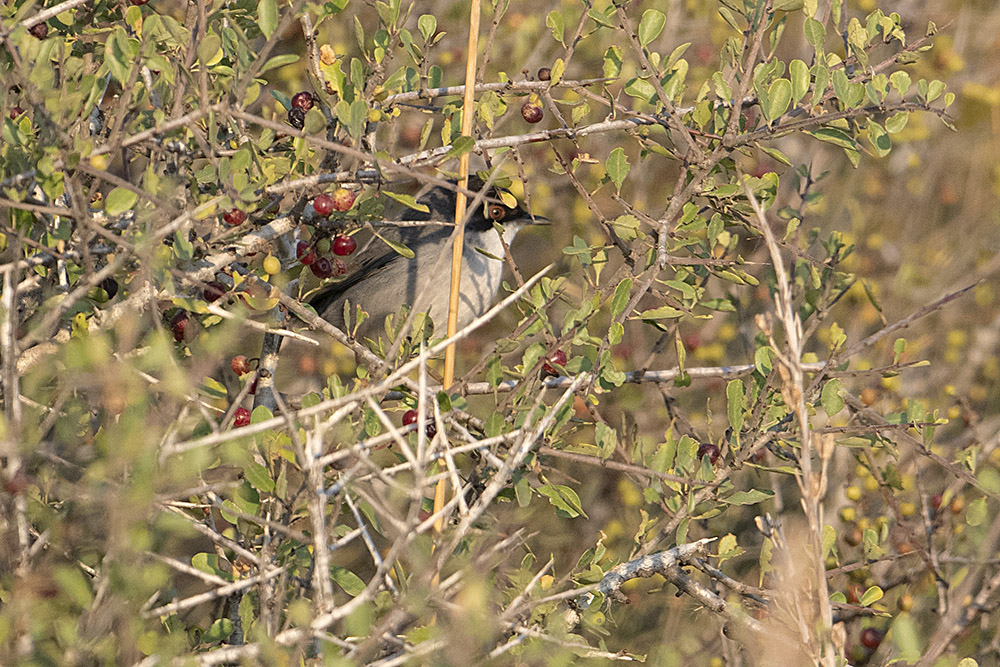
106	512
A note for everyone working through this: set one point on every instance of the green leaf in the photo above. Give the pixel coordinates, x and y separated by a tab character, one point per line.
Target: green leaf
976	513
620	300
617	167
258	476
555	22
751	497
779	94
832	135
267	17
398	247
641	89
829	539
815	34
219	631
461	146
119	200
350	582
409	201
279	61
427	24
651	25
661	313
736	398
872	595
832	402
896	122
563	498
210	50
798	73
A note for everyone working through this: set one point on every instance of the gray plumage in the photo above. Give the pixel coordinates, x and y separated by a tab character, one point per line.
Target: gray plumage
385	280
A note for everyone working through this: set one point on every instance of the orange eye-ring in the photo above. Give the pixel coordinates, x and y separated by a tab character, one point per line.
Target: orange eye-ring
497	212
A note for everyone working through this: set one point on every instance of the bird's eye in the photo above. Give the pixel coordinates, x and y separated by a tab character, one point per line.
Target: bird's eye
497	212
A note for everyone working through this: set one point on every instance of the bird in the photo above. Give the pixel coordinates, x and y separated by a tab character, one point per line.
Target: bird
385	280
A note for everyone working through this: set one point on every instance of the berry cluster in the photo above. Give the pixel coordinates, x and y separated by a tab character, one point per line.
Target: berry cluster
301	103
313	255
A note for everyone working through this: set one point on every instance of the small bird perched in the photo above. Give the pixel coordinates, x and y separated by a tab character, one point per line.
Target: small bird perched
386	280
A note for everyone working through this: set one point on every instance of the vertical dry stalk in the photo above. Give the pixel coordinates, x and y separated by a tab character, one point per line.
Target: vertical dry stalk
812	485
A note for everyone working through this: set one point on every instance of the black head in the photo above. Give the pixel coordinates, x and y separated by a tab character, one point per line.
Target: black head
441	202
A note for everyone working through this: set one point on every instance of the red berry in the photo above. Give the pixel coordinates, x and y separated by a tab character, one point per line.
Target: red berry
17	484
253	385
323	204
344	245
409	417
240	365
303	100
854	593
531	113
241	417
692	342
871	638
179	325
213	291
544	74
305	253
343	199
709	450
39	30
234	217
431	429
138	3
15	112
322	268
558	358
936	501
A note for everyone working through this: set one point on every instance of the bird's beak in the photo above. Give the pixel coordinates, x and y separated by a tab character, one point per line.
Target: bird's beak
539	220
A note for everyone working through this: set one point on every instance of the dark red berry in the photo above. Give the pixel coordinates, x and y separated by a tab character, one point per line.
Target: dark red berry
409	417
17	484
323	204
303	100
557	358
15	112
344	245
297	117
39	30
854	593
240	365
241	417
214	291
138	3
544	74
871	638
709	450
431	429
234	217
343	199
322	268
531	113
936	501
180	325
253	385
305	253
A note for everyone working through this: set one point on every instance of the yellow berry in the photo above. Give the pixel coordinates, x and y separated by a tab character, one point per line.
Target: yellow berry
853	493
907	509
99	161
871	484
847	514
272	265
